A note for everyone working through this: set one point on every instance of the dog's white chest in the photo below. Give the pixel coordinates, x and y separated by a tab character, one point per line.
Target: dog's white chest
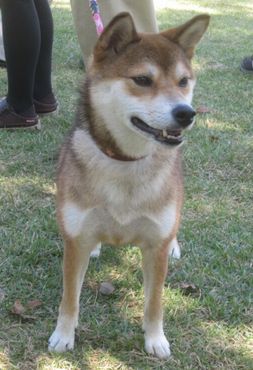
129	224
122	202
129	198
123	217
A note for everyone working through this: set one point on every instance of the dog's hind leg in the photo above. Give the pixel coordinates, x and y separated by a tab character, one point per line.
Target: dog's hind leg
96	251
155	263
174	249
75	263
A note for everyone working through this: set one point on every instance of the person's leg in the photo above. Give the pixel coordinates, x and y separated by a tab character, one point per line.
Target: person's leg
21	34
85	28
42	84
142	11
2	54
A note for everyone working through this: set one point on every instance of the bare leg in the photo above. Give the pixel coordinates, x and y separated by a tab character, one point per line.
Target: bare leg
155	263
76	260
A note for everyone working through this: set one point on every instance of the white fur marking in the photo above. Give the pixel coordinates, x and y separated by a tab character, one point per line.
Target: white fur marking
96	251
63	338
155	341
175	251
166	220
181	70
73	218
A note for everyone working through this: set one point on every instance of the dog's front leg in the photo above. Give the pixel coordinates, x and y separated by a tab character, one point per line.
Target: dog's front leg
155	263
75	263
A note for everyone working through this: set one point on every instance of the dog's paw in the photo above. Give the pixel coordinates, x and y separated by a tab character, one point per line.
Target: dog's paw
60	341
96	252
175	250
157	345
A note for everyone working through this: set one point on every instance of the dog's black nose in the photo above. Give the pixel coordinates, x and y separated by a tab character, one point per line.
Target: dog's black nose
183	115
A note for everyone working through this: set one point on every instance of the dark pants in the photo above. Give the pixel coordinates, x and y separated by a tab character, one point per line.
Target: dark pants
28	39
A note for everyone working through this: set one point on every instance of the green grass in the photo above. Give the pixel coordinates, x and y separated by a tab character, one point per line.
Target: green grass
208	330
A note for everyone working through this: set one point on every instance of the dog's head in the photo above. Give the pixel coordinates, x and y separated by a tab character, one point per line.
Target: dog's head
142	84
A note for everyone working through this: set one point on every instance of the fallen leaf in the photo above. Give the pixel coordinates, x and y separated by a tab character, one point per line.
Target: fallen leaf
203	109
34	304
106	288
18	308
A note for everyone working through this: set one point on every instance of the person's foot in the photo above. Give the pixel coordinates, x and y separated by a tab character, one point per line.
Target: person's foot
46	105
9	119
247	64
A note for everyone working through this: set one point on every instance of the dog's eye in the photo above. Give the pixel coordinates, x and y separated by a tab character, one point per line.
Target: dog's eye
142	81
183	82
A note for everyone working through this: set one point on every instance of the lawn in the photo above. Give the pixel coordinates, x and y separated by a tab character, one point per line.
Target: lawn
208	298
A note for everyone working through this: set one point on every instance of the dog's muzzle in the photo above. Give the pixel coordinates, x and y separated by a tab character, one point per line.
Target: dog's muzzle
183	116
165	136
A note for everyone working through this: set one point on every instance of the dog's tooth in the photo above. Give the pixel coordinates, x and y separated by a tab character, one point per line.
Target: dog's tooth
165	133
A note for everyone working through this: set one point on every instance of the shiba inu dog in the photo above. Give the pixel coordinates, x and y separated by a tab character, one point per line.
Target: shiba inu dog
119	175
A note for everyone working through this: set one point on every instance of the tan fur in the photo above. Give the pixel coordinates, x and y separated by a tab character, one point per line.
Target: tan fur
117	184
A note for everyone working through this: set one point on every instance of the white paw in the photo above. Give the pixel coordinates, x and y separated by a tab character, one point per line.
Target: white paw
61	340
96	252
157	345
175	251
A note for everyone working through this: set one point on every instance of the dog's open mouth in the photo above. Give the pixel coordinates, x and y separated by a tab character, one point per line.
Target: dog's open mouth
165	136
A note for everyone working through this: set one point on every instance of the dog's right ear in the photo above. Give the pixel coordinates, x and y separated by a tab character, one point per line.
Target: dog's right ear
118	34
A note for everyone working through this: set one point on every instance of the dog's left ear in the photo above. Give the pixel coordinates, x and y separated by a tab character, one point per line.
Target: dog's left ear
189	34
118	34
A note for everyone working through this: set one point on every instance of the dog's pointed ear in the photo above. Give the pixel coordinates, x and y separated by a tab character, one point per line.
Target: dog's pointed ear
189	34
119	33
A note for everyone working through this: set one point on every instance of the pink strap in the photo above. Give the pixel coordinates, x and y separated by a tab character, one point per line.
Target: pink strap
96	16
